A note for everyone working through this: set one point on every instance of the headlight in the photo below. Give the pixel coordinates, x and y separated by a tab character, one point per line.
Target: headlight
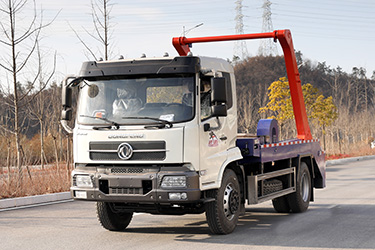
173	182
177	196
80	165
82	181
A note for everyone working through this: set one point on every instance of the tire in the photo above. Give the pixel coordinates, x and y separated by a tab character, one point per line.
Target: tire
299	201
281	204
111	220
222	214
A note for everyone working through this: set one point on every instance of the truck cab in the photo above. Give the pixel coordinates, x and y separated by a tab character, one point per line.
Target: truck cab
153	131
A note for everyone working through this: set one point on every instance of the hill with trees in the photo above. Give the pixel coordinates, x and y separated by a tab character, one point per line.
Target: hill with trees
352	94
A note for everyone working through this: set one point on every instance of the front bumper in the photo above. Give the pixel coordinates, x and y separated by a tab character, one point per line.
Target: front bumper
138	186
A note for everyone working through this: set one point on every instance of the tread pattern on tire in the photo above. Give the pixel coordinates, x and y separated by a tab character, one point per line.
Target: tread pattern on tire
211	212
216	223
281	204
295	201
110	220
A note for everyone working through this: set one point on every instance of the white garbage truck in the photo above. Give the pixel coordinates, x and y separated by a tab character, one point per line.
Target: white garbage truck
159	136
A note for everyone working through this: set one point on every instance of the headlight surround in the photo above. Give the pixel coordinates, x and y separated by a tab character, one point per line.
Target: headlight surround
83	181
189	166
173	182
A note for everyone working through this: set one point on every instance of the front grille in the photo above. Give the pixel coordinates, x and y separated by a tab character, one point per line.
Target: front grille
142	151
126	191
128	170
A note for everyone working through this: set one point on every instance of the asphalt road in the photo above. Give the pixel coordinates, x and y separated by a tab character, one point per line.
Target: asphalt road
342	217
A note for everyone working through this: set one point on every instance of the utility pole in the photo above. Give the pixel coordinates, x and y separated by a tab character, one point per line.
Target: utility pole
267	47
185	31
240	48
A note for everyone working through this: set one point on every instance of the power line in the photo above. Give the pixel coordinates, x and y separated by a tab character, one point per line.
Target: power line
267	46
240	48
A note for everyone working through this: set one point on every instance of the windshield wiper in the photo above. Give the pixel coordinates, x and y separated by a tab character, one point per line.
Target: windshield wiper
163	123
114	124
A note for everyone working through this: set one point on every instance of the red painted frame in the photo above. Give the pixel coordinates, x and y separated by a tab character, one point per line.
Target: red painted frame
285	38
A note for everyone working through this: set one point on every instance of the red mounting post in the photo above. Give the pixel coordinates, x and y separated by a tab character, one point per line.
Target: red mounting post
285	37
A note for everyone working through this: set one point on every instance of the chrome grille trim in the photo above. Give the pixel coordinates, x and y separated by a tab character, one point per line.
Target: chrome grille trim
135	150
141	150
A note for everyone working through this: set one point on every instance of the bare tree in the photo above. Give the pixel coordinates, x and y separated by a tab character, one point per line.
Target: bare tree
38	108
21	42
101	16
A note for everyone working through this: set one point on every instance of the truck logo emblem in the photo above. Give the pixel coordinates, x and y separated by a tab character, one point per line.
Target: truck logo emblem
125	151
213	140
126	136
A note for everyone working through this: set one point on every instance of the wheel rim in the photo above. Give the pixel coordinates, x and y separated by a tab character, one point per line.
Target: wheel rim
305	187
231	201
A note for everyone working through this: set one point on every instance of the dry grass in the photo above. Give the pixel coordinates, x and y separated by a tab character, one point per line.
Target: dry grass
51	180
34	182
360	149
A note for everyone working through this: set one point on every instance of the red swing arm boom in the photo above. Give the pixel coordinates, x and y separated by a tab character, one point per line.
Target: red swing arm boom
182	45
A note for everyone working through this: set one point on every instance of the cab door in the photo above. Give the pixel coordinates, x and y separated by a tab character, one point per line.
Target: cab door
212	136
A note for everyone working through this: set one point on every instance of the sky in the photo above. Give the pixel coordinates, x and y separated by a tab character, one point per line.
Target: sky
337	32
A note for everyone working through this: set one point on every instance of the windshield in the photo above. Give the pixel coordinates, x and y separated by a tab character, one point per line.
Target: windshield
131	101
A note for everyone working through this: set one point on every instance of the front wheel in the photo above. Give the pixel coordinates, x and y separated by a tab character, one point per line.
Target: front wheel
111	219
222	213
299	201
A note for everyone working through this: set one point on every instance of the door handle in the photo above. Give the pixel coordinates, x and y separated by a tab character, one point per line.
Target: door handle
223	138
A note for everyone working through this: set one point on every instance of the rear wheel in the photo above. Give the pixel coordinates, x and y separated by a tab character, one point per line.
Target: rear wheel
281	204
111	219
299	201
222	214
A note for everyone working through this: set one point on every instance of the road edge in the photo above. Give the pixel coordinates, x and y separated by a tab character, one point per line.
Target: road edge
347	160
65	196
34	200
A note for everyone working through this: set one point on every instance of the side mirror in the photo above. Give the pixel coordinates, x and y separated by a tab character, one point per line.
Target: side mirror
219	110
66	97
66	114
219	90
66	101
219	97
